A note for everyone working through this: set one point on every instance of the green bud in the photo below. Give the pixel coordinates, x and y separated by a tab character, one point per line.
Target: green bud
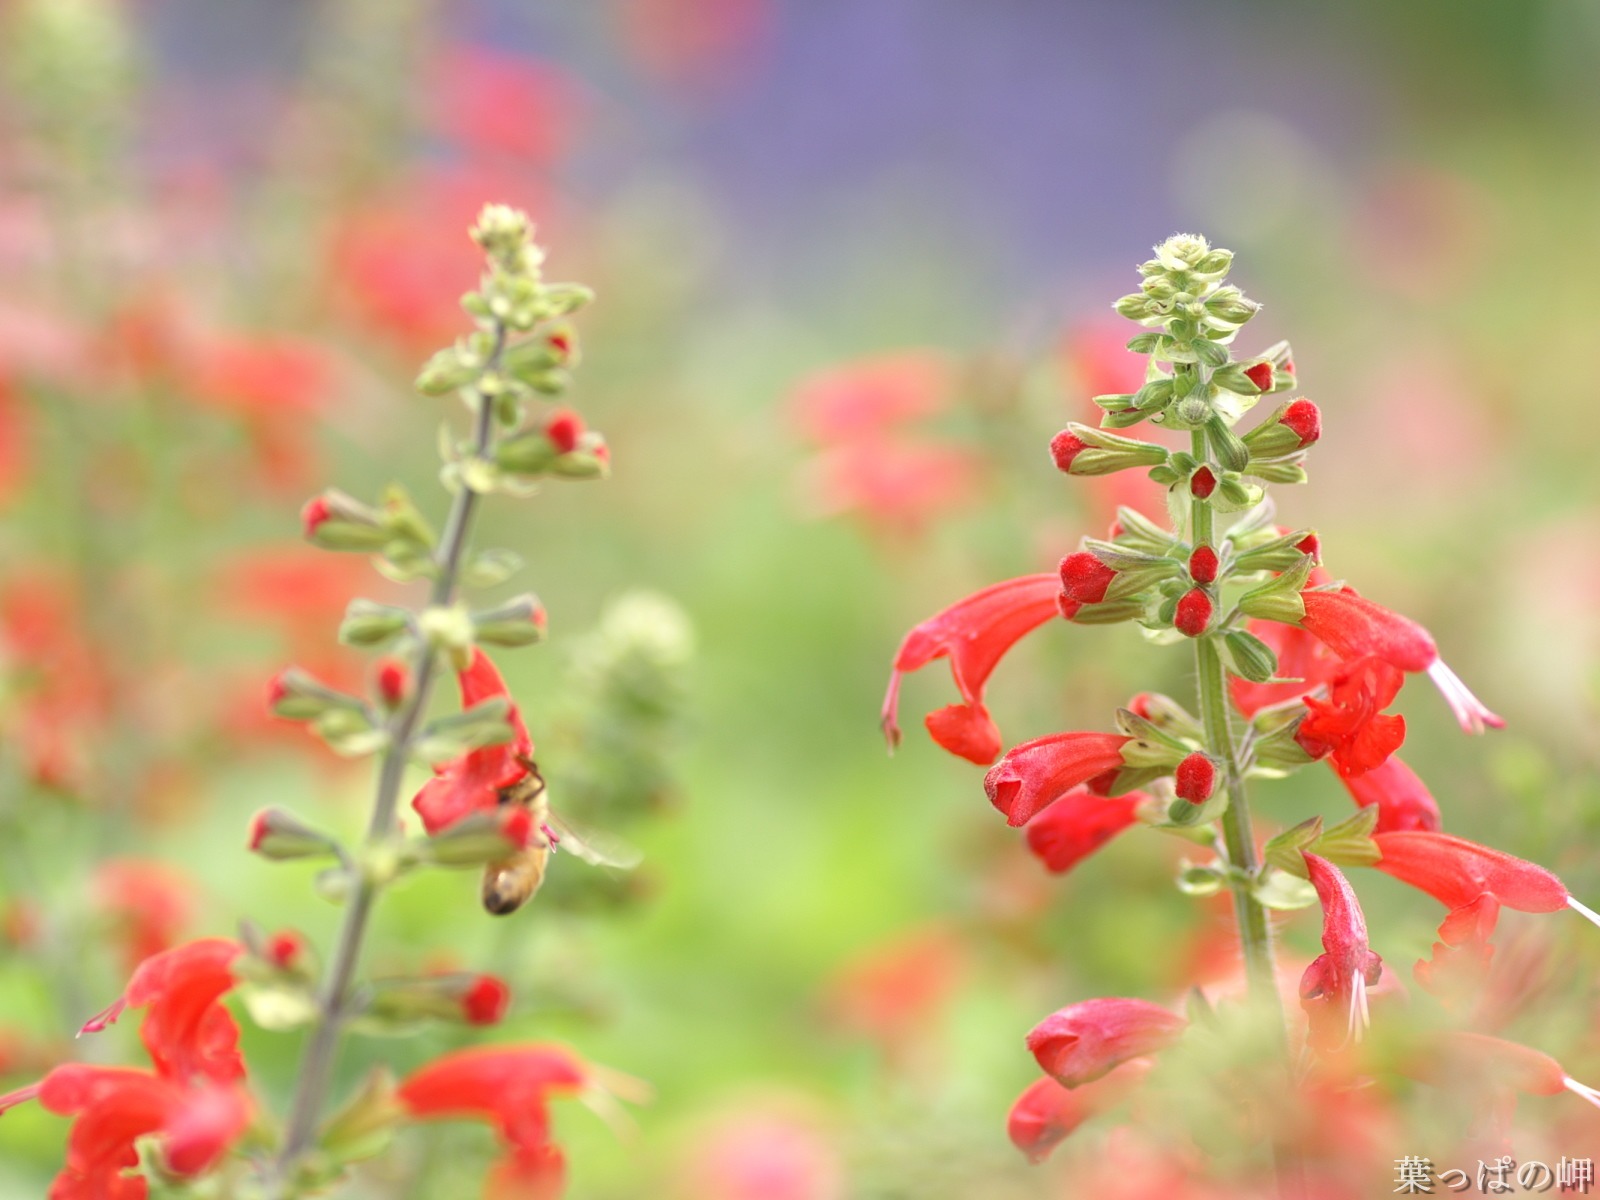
527	454
1141	533
1283	851
518	622
1349	843
364	1127
473	841
1232	378
1136	307
589	459
447	370
297	696
1214	264
1144	343
1276	554
485	724
446	628
1167	715
560	299
350	732
1102	453
1233	494
1213	354
334	520
1200	881
1252	658
399	1005
1274	746
1230	451
369	624
278	834
490	568
1228	306
1284	892
1279	599
1142	730
1283	470
1182	251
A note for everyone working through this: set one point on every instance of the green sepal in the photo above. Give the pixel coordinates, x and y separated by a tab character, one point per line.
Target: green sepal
1250	657
1283	851
1283	891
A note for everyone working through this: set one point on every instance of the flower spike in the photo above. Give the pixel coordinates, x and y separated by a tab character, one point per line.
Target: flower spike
974	634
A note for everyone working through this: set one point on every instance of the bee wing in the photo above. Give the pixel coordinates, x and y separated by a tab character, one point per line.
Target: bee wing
592	845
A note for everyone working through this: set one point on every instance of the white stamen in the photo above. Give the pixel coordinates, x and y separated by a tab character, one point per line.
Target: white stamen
1360	1015
1578	906
1592	1095
1471	713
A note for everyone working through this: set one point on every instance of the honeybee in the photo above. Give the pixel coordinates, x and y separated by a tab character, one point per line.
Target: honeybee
510	883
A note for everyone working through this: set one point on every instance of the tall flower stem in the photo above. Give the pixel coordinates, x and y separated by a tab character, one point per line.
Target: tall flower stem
1255	935
321	1053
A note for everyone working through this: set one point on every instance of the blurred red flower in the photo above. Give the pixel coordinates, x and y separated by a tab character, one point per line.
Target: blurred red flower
472	783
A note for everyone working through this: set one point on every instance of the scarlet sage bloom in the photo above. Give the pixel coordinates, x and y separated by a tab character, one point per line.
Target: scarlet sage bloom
472	783
508	1086
1080	1043
974	634
1047	1113
1402	799
1456	872
1509	1066
1038	773
1079	823
1333	990
1354	627
1349	726
194	1102
1461	958
149	902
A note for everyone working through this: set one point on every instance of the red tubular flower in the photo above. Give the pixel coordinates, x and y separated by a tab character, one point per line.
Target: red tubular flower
974	634
194	1101
1456	872
1403	801
1509	1066
1354	627
1084	1041
472	783
1085	578
1195	778
1459	964
1333	990
509	1087
1037	773
1046	1113
1349	726
150	903
1193	616
1069	830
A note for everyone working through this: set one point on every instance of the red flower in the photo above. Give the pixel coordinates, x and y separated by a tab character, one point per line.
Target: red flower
1037	773
1046	1113
1354	627
1456	872
1333	990
870	396
472	783
1080	1043
1459	964
1349	725
502	104
193	1102
974	635
1079	823
1402	799
895	484
894	992
509	1087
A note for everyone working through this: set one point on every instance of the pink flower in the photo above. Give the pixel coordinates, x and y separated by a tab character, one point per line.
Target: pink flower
1333	990
974	635
1038	773
1077	824
473	782
1080	1043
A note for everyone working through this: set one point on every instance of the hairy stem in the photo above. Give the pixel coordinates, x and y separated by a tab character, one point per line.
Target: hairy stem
321	1052
1255	935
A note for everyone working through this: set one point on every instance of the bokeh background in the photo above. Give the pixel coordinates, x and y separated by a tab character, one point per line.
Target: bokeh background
229	234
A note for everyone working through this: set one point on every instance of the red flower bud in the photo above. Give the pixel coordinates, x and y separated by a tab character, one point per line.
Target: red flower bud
1304	419
1084	1041
1203	565
1065	447
1085	578
485	1002
277	689
315	512
561	344
1067	606
394	682
284	949
1310	545
1260	375
1139	706
1202	483
564	428
1195	778
1194	613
